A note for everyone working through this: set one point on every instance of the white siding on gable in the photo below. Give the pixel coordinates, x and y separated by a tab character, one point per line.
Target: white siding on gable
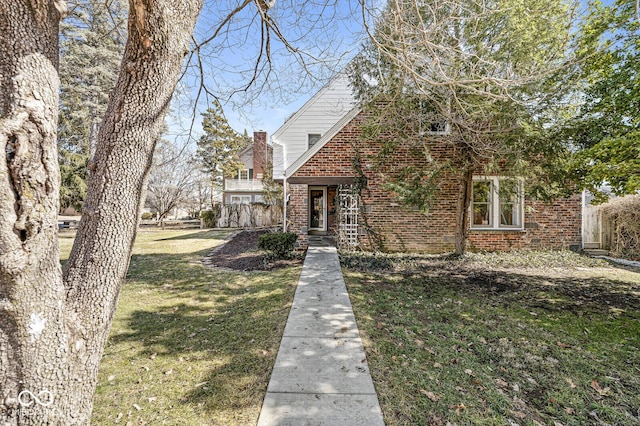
317	116
278	161
247	159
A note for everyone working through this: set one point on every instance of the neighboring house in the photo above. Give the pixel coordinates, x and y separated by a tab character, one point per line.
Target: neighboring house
319	155
247	186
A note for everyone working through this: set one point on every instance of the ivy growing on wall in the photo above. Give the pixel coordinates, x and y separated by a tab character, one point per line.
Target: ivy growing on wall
376	241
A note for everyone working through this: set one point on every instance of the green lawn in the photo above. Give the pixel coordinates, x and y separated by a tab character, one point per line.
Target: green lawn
527	339
190	345
536	338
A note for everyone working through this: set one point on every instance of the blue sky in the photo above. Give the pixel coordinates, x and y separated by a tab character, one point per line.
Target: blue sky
328	32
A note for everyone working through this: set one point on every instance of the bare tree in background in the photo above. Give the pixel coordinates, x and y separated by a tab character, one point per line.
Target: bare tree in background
172	180
295	47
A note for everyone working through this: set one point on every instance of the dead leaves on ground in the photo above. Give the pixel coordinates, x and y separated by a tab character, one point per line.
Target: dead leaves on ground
432	396
596	387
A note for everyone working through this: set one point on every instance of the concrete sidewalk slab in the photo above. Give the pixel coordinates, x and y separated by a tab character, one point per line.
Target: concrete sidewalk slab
321	375
320	409
315	322
321	365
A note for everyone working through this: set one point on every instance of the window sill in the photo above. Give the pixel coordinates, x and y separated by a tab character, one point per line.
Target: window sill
500	230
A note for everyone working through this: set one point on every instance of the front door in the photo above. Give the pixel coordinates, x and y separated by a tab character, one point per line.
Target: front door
317	208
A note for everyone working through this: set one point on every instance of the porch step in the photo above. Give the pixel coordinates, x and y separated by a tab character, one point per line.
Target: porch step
596	252
321	241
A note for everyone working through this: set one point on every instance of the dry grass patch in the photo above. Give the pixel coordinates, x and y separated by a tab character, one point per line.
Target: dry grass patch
500	339
190	345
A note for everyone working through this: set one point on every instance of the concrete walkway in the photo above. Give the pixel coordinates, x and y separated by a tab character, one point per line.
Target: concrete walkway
321	376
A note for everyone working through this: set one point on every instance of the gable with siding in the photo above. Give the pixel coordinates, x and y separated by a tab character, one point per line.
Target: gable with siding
317	116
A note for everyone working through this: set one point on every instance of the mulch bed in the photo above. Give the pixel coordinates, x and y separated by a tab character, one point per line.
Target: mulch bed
241	253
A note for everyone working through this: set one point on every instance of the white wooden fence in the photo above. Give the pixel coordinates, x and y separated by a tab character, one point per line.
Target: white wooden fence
597	229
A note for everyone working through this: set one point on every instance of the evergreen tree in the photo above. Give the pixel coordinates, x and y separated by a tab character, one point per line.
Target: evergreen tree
73	173
476	76
92	42
607	126
219	146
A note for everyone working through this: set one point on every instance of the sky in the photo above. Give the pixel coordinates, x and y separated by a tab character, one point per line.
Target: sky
325	34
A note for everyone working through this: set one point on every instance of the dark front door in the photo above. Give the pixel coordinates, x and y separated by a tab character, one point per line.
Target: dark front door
317	209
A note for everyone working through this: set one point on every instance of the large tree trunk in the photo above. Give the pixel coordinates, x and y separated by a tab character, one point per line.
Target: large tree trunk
33	342
465	192
53	330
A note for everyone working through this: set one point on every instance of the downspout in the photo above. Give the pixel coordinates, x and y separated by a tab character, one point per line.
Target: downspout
582	224
284	203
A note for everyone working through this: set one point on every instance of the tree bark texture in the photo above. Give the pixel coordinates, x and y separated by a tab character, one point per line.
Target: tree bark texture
465	192
32	333
54	325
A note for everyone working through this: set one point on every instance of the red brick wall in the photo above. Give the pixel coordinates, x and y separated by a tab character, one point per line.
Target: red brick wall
298	212
335	158
400	228
554	225
260	153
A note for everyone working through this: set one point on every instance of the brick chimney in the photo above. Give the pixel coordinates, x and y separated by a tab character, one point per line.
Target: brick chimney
260	153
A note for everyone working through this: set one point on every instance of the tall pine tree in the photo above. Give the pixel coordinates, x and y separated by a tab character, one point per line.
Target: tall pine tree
92	42
219	146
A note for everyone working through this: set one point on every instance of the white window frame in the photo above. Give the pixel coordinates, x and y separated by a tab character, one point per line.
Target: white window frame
495	205
240	199
316	136
243	174
425	126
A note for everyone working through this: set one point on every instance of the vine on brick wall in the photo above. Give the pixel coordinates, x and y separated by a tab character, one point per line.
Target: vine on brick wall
376	240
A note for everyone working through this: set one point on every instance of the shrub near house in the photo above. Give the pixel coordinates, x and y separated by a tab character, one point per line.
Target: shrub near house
280	244
623	216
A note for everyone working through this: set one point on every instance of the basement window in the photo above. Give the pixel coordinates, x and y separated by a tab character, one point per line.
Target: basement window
497	203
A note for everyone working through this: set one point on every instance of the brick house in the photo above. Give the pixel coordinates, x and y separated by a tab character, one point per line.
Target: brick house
247	186
320	157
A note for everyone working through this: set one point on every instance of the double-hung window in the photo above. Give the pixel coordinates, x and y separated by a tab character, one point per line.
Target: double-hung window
497	203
